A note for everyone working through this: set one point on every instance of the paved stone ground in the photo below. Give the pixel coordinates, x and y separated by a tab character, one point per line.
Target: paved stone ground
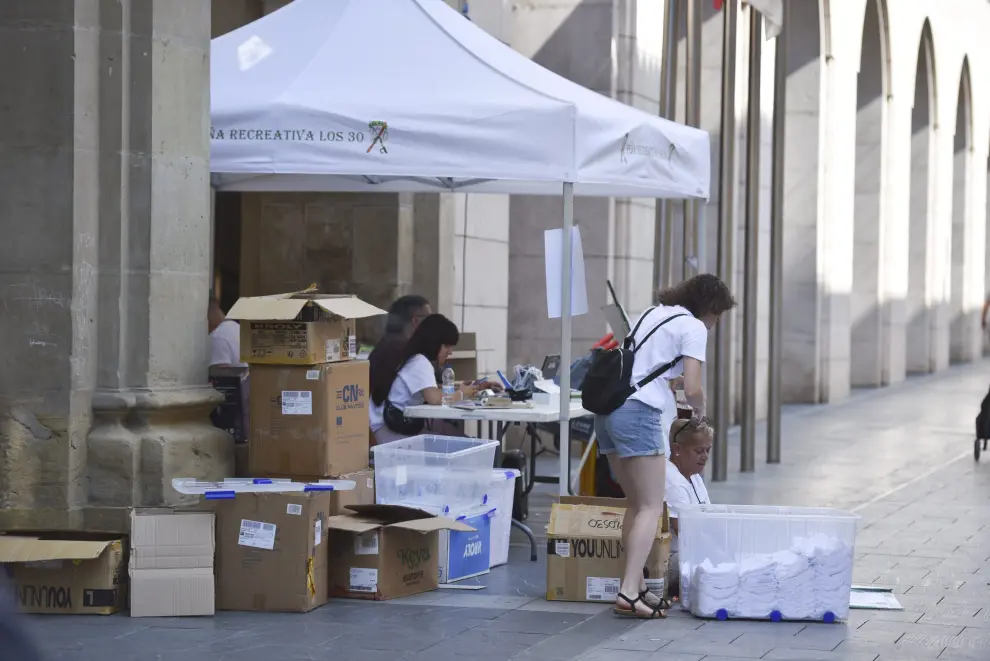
900	457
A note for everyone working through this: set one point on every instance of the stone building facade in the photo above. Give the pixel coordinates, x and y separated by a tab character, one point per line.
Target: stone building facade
109	250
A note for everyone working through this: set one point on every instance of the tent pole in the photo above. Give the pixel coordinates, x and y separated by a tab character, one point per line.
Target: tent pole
565	342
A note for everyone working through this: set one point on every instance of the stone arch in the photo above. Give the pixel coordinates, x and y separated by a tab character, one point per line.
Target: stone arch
808	48
962	157
866	346
920	353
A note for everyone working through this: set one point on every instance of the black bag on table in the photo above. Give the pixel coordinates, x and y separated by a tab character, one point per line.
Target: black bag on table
607	386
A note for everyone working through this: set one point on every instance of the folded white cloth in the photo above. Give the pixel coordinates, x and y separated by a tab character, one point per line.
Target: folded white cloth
807	581
713	588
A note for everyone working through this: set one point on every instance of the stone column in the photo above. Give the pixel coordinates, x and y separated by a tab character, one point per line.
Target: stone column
106	214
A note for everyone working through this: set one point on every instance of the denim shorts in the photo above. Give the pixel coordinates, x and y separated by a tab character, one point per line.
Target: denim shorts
634	429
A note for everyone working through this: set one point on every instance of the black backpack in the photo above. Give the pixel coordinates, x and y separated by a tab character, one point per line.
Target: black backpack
607	386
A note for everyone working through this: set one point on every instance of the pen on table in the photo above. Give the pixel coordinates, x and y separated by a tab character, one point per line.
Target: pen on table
505	382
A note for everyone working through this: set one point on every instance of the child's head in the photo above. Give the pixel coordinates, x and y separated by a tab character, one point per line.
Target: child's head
690	445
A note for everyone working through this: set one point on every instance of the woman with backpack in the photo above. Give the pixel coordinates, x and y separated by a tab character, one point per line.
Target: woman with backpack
667	342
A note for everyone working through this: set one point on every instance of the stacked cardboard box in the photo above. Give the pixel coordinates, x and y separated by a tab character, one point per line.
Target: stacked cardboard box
307	420
585	556
309	396
171	564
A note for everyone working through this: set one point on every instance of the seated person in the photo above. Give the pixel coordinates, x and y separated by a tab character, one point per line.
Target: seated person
404	315
415	382
690	445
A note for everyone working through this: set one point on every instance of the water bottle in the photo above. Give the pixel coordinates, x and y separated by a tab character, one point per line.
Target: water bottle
448	385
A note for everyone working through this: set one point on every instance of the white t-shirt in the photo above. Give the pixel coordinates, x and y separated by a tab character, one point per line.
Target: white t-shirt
225	344
681	491
684	336
407	390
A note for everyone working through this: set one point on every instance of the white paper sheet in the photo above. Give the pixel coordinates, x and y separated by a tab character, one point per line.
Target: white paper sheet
553	251
873	600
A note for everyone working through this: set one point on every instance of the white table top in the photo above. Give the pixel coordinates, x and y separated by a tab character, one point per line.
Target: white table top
539	413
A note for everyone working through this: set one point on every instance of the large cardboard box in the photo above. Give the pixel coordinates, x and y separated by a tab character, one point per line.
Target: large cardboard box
464	359
585	556
309	421
66	573
171	564
272	551
385	551
299	328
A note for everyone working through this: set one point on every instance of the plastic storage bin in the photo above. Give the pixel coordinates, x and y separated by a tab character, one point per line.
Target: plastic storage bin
760	562
438	473
500	497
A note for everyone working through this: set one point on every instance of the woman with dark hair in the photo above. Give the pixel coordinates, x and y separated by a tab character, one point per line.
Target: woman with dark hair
635	436
415	380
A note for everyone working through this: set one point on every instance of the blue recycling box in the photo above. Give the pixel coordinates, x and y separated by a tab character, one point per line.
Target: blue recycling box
466	554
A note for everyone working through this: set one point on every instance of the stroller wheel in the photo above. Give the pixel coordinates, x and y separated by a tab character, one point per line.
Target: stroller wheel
977	446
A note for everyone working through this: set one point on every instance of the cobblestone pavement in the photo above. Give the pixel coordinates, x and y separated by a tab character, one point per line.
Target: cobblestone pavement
900	457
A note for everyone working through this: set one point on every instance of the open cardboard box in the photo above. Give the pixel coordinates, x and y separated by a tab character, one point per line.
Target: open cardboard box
585	555
66	573
385	551
299	328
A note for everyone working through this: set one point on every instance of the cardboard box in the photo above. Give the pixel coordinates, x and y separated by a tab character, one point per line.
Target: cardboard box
171	564
464	555
362	494
232	415
464	359
66	573
585	557
272	551
309	421
385	551
299	328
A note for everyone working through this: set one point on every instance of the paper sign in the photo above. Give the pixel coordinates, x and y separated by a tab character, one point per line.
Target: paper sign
312	375
257	534
562	549
363	580
318	532
553	250
297	402
602	589
293	508
332	351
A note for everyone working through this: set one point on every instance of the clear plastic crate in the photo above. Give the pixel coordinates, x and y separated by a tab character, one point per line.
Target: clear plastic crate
438	473
763	562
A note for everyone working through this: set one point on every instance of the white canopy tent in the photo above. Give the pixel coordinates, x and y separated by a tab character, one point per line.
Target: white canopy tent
407	95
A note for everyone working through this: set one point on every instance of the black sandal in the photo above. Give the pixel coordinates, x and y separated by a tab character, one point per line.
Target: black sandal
654	601
656	613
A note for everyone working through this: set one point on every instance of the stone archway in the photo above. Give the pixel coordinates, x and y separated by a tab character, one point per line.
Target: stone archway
960	335
918	303
865	305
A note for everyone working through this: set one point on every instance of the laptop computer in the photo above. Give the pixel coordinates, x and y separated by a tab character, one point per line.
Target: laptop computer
551	367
